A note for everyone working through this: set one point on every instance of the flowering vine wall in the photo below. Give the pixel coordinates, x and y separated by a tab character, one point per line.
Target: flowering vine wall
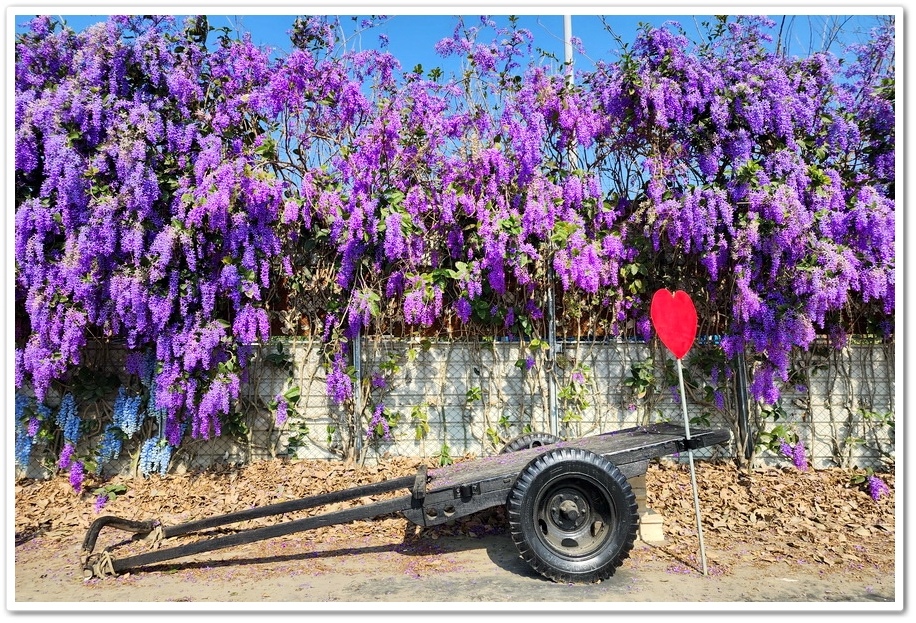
190	194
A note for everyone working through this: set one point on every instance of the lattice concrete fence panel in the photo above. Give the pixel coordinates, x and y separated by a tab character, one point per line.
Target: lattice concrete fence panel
843	408
472	397
463	391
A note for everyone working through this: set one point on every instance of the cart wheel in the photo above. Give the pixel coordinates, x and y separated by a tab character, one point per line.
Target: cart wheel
529	440
573	515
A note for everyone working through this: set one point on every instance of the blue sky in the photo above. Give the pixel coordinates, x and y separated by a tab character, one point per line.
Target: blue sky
413	32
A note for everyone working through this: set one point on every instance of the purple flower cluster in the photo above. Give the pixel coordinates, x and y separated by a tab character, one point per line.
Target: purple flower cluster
876	487
143	212
800	457
379	427
750	176
796	453
282	410
100	501
77	475
339	383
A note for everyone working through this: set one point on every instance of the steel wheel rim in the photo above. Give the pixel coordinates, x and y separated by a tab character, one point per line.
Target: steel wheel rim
574	517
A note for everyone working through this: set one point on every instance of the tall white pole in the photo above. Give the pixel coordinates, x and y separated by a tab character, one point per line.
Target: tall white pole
552	408
358	392
551	303
693	474
567	45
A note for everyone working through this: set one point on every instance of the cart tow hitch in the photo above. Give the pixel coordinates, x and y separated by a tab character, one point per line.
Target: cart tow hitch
103	563
100	564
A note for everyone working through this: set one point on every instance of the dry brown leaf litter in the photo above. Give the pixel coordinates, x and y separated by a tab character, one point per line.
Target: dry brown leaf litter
767	516
773	515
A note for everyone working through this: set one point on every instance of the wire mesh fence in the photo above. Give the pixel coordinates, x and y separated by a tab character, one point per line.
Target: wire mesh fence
448	399
843	404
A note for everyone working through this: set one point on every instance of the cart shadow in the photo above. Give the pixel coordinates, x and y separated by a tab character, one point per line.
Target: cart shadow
499	548
664	553
504	554
497	545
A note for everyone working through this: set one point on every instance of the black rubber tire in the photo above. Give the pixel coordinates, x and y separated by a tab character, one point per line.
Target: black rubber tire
529	440
573	516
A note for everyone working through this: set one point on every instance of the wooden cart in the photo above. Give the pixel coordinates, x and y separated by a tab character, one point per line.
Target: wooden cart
571	510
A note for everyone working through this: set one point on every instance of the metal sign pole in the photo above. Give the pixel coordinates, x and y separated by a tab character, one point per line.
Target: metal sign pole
553	411
358	390
552	408
693	475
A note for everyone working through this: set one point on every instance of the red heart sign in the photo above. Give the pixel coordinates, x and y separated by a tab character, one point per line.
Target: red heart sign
675	320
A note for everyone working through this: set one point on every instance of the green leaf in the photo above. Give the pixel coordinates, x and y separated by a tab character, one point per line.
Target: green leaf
562	231
268	147
512	225
293	394
393	197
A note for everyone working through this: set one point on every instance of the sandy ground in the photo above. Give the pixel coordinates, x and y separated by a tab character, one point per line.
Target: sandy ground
296	573
390	564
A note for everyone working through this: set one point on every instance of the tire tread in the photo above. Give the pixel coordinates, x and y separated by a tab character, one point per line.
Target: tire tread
523	487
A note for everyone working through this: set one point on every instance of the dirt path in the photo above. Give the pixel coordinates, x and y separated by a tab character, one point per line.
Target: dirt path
299	573
840	553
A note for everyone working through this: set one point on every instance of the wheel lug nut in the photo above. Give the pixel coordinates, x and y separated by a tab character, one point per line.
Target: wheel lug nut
570	510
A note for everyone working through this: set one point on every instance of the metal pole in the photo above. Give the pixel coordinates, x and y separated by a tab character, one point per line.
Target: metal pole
567	44
552	355
744	427
358	391
551	303
693	475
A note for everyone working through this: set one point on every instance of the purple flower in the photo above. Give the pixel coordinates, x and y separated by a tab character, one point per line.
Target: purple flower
785	448
510	318
877	487
329	322
66	456
719	399
100	501
394	238
282	407
339	384
77	475
463	309
796	453
378	425
799	456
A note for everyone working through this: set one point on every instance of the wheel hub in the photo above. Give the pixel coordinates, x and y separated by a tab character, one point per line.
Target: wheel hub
568	511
